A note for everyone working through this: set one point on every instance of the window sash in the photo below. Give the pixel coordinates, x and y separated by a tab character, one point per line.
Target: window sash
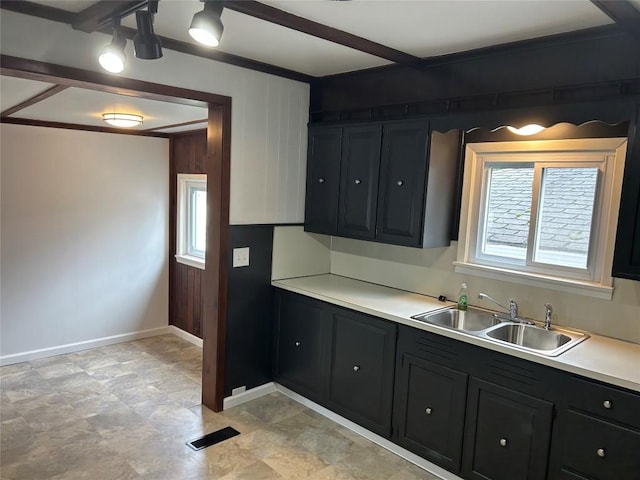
542	161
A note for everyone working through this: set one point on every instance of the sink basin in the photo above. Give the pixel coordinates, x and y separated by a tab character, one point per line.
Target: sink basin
530	337
471	320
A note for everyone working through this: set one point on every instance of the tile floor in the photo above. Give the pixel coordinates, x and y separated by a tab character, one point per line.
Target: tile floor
125	412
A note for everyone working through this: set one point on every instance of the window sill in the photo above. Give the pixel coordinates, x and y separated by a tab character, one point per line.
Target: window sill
578	287
191	261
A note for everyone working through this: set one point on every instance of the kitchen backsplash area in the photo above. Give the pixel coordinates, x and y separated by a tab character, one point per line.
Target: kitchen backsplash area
431	272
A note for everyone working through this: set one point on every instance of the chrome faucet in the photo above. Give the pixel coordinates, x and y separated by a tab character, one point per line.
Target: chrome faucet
512	308
548	310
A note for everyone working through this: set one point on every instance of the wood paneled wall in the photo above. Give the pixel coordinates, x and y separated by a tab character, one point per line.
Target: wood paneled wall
188	152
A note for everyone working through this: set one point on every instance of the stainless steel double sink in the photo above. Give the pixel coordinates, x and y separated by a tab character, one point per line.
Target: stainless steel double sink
495	328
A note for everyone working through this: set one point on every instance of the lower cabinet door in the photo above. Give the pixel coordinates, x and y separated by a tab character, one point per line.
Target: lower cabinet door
600	450
507	434
302	346
362	367
429	410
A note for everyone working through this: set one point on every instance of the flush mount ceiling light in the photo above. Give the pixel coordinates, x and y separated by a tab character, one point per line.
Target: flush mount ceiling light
530	129
146	44
112	57
122	120
206	26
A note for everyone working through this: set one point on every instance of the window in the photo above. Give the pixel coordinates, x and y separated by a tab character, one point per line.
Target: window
542	213
192	219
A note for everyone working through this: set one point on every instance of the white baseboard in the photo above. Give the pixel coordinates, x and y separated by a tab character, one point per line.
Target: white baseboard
383	442
248	395
76	347
178	332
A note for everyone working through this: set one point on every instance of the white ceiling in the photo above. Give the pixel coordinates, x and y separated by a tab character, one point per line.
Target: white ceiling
422	28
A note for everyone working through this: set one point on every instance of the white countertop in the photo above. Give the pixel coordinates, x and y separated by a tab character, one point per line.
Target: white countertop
600	358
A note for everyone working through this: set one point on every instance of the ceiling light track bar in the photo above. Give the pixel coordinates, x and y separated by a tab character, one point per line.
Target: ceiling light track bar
100	14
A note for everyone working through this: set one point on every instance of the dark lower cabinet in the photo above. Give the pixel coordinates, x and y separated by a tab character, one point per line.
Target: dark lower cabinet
429	410
599	433
302	345
594	448
361	385
477	413
508	433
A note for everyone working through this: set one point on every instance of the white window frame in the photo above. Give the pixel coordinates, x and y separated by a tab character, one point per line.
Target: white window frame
187	182
607	154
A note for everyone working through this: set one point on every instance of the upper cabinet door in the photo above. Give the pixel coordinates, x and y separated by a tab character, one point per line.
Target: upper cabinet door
323	180
402	182
359	181
626	260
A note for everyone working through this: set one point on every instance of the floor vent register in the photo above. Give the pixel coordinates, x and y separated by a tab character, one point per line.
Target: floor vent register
213	438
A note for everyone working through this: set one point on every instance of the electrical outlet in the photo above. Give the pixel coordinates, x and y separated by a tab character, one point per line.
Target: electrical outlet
239	390
241	257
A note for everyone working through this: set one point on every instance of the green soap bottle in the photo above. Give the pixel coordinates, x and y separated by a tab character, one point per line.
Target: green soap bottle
462	297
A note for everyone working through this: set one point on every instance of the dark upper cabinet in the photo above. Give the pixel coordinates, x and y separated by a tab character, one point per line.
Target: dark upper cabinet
429	410
508	433
362	366
359	181
302	345
396	182
403	169
626	260
323	180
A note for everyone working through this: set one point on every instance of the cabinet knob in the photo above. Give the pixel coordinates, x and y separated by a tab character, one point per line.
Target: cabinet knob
297	344
607	404
399	183
356	368
428	411
321	180
357	182
601	453
503	442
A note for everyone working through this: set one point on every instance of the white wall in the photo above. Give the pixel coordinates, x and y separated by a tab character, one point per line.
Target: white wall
269	113
297	253
84	238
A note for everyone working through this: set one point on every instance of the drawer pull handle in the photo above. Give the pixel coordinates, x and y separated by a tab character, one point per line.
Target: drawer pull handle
503	442
399	183
358	182
321	180
607	404
601	453
428	411
297	344
356	368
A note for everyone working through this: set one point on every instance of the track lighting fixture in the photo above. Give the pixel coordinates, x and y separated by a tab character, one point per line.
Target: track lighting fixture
146	43
112	58
206	26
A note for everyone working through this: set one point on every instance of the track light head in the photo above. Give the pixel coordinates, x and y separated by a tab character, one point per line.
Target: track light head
206	26
146	44
112	57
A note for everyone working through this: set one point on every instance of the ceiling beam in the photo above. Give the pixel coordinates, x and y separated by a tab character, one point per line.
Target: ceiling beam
49	92
37	10
99	14
294	22
623	13
175	125
77	126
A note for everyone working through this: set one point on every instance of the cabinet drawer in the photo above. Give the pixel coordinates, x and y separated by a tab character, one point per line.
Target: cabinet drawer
600	450
606	402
